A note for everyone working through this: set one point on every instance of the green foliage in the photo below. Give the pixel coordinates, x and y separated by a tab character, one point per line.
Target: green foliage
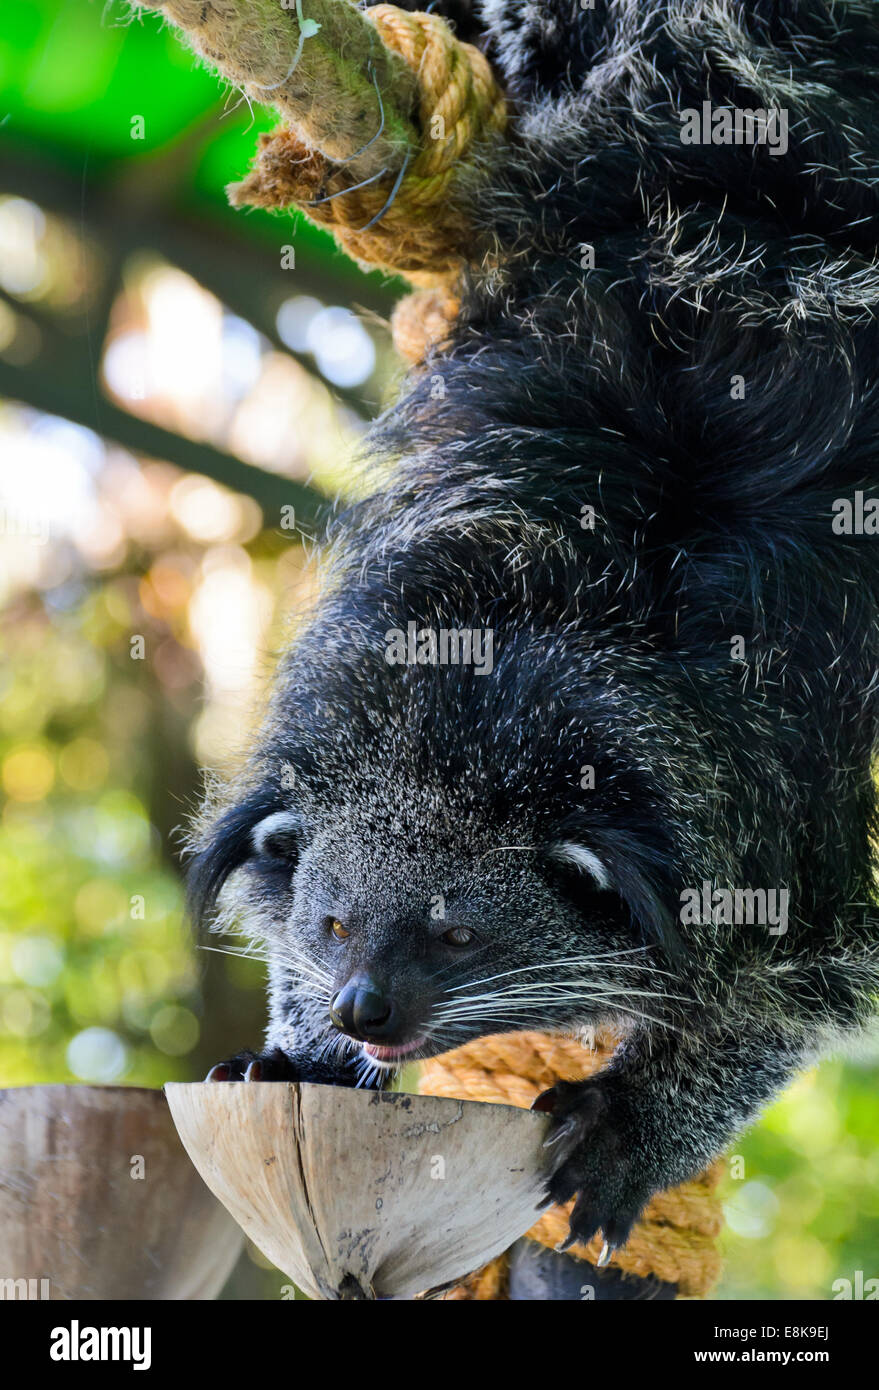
92	928
805	1211
96	89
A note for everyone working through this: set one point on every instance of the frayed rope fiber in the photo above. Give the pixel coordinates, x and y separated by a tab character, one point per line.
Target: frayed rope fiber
319	63
382	112
675	1240
422	321
412	227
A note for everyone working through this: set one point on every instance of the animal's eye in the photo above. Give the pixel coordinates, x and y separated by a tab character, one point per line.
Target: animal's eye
457	936
338	931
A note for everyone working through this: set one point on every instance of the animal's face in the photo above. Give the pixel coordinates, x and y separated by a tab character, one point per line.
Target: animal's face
430	864
412	939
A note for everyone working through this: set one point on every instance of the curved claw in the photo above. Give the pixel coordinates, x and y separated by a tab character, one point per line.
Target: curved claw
218	1073
254	1071
563	1131
545	1102
604	1257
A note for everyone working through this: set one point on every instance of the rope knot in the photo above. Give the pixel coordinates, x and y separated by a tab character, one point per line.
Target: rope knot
403	220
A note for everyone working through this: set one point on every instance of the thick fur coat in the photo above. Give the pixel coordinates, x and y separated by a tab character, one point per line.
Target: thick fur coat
644	463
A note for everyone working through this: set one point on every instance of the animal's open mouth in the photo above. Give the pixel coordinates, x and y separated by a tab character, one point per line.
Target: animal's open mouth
392	1054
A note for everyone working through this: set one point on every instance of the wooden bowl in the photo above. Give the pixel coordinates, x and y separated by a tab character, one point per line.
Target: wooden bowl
363	1194
98	1199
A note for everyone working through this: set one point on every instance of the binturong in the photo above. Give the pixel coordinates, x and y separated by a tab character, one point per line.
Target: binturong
653	808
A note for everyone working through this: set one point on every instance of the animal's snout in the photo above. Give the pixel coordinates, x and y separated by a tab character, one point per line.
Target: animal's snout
362	1009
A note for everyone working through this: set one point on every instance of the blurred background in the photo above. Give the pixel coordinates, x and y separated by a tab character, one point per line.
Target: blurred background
181	390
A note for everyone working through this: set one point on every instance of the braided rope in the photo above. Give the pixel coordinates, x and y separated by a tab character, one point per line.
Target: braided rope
408	224
457	92
675	1239
421	321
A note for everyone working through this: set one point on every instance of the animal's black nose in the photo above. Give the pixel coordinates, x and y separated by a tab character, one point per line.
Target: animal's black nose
362	1009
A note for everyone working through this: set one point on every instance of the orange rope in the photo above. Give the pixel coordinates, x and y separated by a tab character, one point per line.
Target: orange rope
416	228
421	321
675	1240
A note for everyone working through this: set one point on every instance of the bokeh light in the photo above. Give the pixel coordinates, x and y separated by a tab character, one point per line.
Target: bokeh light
97	1054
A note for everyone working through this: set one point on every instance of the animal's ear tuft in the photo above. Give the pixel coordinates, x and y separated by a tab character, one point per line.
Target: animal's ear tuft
229	844
277	836
620	864
578	873
586	861
582	858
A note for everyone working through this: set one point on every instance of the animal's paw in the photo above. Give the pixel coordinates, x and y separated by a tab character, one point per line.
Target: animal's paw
592	1154
255	1066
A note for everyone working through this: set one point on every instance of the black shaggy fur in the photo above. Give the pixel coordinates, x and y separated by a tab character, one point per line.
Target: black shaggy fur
705	379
